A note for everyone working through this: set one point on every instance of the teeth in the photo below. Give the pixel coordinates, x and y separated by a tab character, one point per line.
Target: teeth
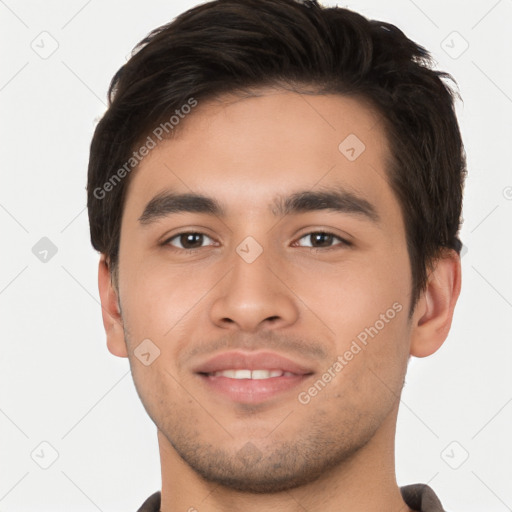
265	374
254	374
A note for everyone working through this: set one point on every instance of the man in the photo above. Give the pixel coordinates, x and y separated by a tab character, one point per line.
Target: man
276	193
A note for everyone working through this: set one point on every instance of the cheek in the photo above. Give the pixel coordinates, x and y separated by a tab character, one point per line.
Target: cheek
157	388
353	295
365	306
157	300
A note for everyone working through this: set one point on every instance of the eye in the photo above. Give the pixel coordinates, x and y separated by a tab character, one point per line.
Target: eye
322	240
187	240
192	240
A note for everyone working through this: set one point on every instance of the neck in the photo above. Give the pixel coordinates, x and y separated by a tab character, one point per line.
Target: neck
364	482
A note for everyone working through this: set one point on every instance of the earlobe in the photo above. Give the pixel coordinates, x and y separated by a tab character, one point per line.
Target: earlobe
112	320
433	314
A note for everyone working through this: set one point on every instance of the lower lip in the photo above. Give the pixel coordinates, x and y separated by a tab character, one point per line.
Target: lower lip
252	391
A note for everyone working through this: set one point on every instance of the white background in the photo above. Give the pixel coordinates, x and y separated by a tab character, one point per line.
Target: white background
59	383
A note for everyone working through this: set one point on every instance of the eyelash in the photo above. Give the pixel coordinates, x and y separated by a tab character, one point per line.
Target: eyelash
328	233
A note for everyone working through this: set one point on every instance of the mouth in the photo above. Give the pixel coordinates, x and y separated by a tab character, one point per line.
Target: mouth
250	374
251	378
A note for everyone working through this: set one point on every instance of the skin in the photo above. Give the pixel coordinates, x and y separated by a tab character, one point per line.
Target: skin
337	451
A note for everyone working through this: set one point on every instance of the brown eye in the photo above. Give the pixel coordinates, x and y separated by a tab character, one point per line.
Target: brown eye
190	240
322	239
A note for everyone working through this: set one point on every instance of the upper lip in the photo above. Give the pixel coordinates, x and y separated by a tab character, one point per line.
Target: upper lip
238	360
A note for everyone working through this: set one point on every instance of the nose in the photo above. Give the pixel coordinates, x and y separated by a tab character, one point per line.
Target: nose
254	296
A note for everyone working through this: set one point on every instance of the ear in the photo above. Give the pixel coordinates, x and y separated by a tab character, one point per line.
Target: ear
433	314
112	320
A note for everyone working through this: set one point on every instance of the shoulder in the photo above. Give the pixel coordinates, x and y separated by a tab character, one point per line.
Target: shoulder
421	497
152	504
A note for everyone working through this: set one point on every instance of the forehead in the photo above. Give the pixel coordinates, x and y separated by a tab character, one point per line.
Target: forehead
246	152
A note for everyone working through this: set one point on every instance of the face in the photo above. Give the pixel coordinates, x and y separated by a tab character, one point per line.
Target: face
275	305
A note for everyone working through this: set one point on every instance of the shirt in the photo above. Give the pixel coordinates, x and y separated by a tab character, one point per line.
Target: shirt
419	497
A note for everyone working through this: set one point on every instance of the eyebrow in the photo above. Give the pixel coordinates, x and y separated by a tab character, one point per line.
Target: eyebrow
337	200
